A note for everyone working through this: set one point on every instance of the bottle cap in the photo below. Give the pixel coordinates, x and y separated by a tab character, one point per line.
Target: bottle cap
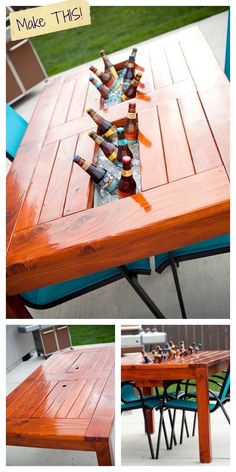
89	110
91	133
135	49
120	130
102	51
139	74
132	104
126	160
92	68
91	77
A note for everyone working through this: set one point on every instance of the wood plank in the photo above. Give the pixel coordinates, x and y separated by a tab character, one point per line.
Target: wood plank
178	68
79	96
28	406
217	108
102	420
19	176
204	67
63	104
153	168
147	77
203	148
93	99
181	214
160	67
177	155
54	201
204	424
93	399
37	188
80	190
81	400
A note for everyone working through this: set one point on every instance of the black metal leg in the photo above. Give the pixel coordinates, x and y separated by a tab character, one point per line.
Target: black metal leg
165	433
194	423
177	285
182	427
133	281
148	434
186	426
172	430
225	413
171	425
159	434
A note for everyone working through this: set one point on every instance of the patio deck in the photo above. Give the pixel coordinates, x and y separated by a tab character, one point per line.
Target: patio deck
28	456
204	294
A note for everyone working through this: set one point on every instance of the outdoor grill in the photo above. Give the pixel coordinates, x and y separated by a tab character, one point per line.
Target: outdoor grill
48	339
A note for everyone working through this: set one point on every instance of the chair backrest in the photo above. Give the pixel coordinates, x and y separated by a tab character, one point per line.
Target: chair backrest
15	130
128	392
225	389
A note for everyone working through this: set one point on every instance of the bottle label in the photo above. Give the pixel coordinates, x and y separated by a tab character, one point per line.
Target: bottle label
113	156
124	97
98	140
96	84
115	85
109	183
85	165
127	173
122	142
112	71
108	133
132	116
131	65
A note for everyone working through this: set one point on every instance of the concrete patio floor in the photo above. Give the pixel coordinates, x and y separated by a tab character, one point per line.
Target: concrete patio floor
135	449
205	282
30	456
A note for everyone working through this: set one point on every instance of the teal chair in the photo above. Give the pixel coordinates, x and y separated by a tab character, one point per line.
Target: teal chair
15	130
53	295
132	398
187	402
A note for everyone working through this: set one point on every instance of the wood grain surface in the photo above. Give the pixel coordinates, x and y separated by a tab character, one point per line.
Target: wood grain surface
53	231
67	403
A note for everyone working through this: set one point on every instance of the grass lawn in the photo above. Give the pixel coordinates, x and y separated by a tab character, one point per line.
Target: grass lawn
92	334
113	28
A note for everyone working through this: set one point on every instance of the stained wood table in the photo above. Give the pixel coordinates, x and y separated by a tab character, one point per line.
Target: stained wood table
67	403
53	231
198	366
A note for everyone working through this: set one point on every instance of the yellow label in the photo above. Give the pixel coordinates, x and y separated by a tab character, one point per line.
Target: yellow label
112	71
132	116
131	64
49	19
127	173
85	165
123	97
109	132
113	156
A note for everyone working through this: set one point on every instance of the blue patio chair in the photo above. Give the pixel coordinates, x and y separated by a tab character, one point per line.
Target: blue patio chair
132	398
53	295
217	399
15	130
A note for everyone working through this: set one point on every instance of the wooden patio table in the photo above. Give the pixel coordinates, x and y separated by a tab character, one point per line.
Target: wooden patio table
197	366
67	403
53	231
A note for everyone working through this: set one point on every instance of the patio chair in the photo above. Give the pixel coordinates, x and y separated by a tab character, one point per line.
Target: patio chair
15	130
53	295
217	399
132	398
209	247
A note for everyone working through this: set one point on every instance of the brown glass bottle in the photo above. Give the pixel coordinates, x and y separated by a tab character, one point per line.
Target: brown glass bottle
105	128
131	91
109	149
123	148
103	89
105	77
99	175
109	67
131	126
127	184
129	74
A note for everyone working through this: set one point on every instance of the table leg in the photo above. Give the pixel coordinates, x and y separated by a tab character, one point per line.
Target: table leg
150	414
15	308
204	425
104	452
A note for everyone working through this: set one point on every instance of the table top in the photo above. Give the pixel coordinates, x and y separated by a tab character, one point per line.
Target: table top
134	368
67	402
53	231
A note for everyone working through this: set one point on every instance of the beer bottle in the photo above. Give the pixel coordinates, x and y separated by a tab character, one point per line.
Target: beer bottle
103	89
105	128
127	184
133	54
109	149
123	148
146	358
131	91
99	175
109	67
129	74
131	127
105	77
